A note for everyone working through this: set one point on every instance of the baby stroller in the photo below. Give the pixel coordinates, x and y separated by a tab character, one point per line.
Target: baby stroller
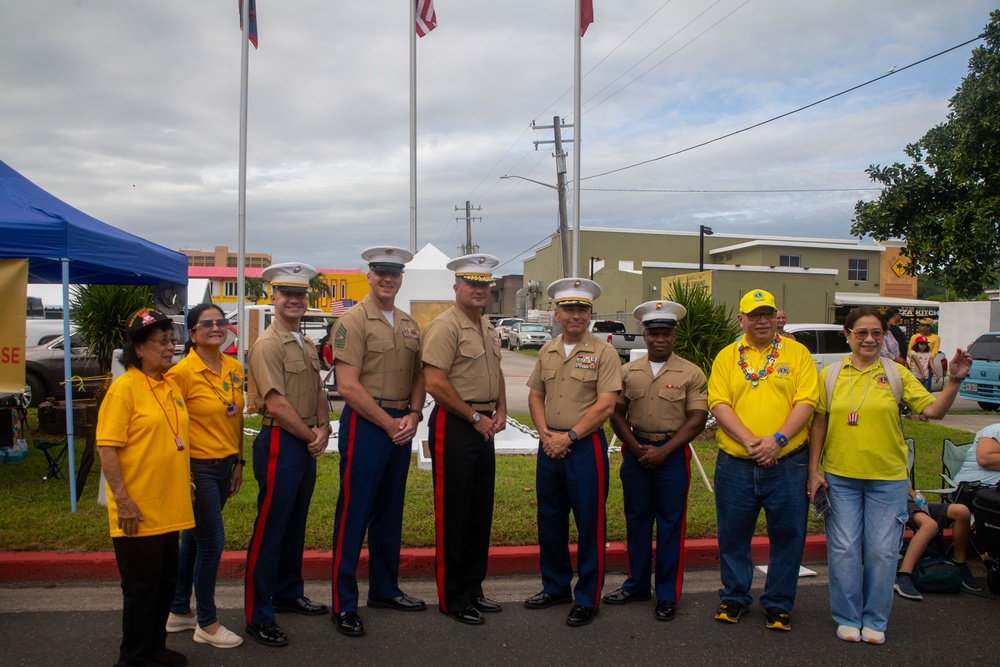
986	509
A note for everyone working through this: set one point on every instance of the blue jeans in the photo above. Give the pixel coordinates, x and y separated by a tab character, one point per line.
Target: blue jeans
864	532
201	547
742	488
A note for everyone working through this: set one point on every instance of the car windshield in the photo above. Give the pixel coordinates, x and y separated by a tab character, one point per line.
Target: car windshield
508	322
986	348
534	328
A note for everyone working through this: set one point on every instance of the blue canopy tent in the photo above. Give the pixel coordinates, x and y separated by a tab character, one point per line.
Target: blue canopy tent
65	245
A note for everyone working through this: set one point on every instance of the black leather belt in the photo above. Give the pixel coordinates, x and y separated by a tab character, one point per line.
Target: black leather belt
652	437
396	405
271	421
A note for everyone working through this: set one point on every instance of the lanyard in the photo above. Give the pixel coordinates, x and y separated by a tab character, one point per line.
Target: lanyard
176	430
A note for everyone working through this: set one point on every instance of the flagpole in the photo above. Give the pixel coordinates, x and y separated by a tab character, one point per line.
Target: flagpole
413	126
242	216
576	139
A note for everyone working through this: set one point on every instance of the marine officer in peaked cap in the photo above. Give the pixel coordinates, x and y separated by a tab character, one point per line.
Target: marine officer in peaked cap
295	430
662	408
573	389
376	352
461	357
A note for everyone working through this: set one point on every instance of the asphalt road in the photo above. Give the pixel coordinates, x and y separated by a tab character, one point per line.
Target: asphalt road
79	624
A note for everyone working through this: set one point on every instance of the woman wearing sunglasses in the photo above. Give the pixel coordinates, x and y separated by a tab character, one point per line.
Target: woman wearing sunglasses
212	387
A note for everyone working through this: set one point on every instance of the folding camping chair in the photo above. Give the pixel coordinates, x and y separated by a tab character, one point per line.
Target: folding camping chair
952	457
55	462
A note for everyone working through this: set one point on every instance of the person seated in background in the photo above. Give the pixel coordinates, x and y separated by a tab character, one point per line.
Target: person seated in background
925	524
982	461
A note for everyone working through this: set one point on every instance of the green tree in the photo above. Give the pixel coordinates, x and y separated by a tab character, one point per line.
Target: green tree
317	289
706	328
255	290
100	312
945	204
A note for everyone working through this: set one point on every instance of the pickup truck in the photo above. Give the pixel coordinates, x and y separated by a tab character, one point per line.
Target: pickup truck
616	335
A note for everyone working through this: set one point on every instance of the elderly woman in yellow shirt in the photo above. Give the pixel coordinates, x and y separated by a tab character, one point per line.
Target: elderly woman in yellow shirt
212	387
142	440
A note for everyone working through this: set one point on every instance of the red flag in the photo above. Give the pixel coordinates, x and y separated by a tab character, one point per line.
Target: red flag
426	18
586	15
253	20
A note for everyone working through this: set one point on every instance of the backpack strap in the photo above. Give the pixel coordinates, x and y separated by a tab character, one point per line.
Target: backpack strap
891	374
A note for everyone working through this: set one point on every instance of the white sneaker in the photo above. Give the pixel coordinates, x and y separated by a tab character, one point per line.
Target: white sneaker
872	636
848	634
223	638
178	623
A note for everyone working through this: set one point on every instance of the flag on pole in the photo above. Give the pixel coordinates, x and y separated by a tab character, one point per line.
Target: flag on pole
253	20
426	18
586	15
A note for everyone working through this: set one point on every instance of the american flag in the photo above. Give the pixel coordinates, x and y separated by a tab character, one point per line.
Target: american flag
253	21
586	15
338	308
426	18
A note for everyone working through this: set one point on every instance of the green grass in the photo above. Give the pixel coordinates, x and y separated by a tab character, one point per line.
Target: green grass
37	515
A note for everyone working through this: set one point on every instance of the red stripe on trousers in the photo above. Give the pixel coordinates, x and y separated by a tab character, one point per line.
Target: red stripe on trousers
602	485
345	490
258	536
439	503
684	523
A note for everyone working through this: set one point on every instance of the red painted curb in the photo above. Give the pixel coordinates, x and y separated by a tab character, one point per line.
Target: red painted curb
316	565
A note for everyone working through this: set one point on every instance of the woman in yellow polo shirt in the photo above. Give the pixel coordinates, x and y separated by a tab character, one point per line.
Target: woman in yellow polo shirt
142	439
858	437
212	387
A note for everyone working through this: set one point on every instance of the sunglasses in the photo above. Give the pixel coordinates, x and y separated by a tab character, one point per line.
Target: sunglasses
207	325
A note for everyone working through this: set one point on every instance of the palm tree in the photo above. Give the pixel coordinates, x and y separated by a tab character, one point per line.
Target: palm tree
255	290
99	313
318	288
707	327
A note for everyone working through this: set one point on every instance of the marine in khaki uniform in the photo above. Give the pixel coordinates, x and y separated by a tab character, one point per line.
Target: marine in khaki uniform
376	349
461	356
662	408
572	392
296	428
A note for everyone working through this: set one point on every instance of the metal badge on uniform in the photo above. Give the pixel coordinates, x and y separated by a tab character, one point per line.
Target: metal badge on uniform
232	410
589	363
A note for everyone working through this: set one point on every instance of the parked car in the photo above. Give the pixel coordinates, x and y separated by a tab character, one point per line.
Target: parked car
527	334
504	325
827	344
983	383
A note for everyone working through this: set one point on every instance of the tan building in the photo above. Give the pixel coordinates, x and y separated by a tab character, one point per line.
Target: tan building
222	258
814	280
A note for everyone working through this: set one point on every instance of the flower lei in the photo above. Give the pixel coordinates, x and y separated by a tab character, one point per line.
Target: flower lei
755	376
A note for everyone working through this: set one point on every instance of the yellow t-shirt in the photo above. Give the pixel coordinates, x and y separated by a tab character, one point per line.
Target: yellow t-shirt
763	410
142	417
215	433
874	448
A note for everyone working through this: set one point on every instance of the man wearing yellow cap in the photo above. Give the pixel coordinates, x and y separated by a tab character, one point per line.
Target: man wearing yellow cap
925	328
572	392
296	428
461	356
662	408
762	391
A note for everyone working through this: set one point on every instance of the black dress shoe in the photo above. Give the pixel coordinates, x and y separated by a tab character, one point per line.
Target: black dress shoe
665	610
166	657
580	615
402	603
544	601
349	623
268	634
301	606
487	606
622	596
470	616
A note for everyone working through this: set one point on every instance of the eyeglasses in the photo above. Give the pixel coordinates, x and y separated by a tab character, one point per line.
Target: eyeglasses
862	334
207	325
756	317
169	341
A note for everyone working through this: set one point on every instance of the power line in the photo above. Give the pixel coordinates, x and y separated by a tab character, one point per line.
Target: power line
788	113
734	191
526	250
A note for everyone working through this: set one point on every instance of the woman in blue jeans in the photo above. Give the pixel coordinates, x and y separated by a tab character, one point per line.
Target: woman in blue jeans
858	438
212	386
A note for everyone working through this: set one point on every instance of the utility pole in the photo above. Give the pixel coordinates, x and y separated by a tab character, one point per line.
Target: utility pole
560	156
468	248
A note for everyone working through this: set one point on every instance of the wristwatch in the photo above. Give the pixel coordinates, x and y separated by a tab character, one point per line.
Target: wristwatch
419	414
781	439
476	417
573	437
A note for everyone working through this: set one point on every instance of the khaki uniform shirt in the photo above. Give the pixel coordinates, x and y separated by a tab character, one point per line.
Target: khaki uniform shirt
660	404
571	384
386	355
452	343
278	362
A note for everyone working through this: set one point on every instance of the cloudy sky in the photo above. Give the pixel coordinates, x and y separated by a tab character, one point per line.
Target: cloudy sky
129	110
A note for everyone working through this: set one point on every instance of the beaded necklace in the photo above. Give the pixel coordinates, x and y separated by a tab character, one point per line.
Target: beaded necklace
749	373
231	408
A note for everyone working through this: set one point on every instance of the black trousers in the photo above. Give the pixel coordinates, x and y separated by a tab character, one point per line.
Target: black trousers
148	567
464	467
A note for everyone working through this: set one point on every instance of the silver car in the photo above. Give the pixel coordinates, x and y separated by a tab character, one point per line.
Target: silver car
527	334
